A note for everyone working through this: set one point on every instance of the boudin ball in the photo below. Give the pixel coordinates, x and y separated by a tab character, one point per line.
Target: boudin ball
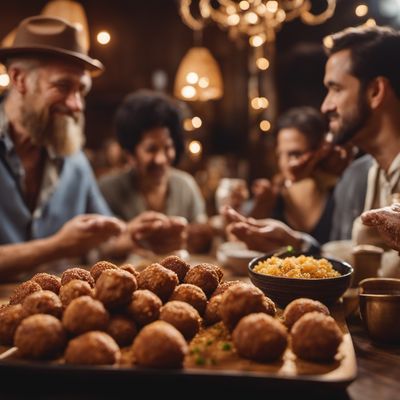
316	337
144	307
158	279
42	302
159	345
10	318
182	316
40	336
122	329
243	299
76	273
99	267
260	337
85	314
92	348
223	287
74	289
190	294
47	281
23	290
176	264
297	308
205	276
131	269
114	288
212	314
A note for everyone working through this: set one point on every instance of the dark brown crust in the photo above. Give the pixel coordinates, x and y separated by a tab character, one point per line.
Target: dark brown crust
316	337
159	345
40	336
76	273
92	348
243	299
158	279
85	314
260	337
191	294
47	281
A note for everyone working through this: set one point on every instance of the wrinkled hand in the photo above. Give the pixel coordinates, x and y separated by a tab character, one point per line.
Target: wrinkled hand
261	235
387	221
85	232
157	232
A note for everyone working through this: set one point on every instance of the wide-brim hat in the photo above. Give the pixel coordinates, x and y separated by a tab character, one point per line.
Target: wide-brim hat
42	35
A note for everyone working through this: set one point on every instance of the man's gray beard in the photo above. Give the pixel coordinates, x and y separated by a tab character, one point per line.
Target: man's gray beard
61	133
66	134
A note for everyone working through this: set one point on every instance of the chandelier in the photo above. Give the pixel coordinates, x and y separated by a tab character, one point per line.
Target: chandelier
257	19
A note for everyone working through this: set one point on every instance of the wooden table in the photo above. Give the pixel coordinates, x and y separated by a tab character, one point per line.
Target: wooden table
378	372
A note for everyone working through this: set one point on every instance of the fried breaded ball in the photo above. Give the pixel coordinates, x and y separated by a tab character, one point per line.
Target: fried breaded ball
260	337
42	302
114	288
131	269
10	318
40	336
223	286
316	337
92	348
74	289
176	264
191	294
243	299
212	314
144	307
122	329
99	267
158	279
23	290
76	273
204	276
47	281
297	308
159	345
182	316
85	314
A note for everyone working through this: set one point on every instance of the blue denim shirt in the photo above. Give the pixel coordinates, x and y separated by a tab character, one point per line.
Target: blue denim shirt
68	189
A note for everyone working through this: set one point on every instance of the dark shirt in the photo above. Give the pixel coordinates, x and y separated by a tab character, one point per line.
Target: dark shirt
349	197
322	228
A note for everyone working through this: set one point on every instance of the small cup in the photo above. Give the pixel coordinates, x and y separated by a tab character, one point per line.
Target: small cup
380	309
366	262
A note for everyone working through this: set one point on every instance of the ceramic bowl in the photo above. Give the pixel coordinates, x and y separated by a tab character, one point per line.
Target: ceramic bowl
283	290
380	308
235	256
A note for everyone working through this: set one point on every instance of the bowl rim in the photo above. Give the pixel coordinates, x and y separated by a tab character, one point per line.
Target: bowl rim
377	295
253	262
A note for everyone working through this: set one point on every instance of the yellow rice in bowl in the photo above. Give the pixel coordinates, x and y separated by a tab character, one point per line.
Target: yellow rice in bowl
302	267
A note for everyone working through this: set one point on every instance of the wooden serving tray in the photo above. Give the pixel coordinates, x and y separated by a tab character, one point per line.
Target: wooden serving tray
212	359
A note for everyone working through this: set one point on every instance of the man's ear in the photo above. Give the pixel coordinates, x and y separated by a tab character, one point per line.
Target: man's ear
377	90
18	78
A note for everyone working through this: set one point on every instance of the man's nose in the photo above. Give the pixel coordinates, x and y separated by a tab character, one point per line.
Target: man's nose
326	105
75	102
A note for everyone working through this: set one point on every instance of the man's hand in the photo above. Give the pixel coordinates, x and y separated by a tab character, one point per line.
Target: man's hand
329	157
261	235
265	194
84	232
158	232
387	221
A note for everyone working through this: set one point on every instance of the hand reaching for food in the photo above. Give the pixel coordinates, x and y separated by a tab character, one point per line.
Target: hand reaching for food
387	221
